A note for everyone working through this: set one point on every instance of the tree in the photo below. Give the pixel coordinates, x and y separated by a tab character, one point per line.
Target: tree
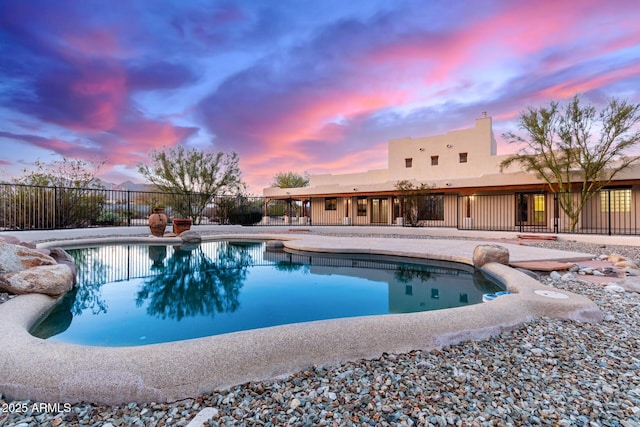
414	200
60	194
193	177
72	173
576	147
290	180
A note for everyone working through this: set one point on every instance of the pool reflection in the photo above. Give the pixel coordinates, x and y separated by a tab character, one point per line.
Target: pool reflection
132	295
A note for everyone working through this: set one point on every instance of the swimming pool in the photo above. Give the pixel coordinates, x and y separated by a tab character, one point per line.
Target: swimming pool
130	295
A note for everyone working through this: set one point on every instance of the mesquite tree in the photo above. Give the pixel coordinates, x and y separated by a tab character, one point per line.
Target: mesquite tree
575	147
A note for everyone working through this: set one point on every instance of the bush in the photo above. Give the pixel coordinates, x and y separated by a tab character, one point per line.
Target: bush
245	218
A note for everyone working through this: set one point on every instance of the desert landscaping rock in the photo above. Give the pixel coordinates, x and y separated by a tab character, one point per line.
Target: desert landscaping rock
630	284
547	372
16	257
45	279
484	254
191	236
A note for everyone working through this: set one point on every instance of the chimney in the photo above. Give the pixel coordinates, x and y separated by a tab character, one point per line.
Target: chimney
484	114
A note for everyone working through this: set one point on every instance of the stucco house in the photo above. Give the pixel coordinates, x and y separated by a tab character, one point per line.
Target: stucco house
467	190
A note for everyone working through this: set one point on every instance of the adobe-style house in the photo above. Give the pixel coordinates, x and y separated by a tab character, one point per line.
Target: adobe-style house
466	189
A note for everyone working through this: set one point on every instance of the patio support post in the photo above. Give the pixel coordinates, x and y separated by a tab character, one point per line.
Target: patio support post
555	213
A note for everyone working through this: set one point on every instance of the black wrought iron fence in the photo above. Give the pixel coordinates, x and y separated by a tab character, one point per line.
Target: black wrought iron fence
610	211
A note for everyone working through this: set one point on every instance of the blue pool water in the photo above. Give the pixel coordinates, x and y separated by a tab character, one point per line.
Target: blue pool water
134	295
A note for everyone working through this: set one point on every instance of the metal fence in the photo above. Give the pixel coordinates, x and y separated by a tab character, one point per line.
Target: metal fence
610	211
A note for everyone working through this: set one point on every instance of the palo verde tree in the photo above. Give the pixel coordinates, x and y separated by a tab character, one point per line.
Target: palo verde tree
575	147
191	178
290	180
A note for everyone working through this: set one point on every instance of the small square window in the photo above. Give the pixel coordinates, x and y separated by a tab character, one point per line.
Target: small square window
463	157
434	160
408	163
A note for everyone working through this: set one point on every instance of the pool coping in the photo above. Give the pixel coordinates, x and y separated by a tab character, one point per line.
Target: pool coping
41	370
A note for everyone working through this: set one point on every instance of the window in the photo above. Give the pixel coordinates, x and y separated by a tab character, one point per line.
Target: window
615	200
408	163
330	203
431	207
463	157
434	160
362	206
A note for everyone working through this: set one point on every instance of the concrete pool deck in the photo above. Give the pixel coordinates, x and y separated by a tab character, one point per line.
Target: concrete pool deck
40	370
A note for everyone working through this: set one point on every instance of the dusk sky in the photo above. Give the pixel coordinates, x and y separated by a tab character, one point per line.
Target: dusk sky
317	86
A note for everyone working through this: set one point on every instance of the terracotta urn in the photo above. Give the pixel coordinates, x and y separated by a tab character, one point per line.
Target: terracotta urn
158	222
181	225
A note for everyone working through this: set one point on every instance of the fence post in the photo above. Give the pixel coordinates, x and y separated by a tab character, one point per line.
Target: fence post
128	208
609	211
55	207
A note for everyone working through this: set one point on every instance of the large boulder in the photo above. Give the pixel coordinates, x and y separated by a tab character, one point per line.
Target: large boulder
16	258
483	254
44	279
191	236
62	257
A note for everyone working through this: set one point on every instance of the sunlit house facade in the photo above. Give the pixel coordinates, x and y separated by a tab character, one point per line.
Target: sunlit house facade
466	189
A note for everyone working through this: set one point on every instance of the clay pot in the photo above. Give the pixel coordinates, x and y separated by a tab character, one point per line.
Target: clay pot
180	225
158	222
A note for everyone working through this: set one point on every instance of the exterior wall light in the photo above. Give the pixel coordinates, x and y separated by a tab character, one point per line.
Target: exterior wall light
449	146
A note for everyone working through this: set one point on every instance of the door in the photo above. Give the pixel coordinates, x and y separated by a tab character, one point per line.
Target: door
380	211
531	209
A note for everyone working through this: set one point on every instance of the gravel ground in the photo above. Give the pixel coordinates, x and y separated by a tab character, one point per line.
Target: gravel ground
548	372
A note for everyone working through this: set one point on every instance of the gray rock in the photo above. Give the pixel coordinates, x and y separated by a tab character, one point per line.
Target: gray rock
191	236
567	277
45	279
614	288
631	272
630	284
555	275
16	258
483	254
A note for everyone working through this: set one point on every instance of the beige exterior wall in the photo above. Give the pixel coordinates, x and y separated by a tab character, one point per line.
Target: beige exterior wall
478	143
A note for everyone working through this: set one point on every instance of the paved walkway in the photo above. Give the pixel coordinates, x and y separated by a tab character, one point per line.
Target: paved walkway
78	233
